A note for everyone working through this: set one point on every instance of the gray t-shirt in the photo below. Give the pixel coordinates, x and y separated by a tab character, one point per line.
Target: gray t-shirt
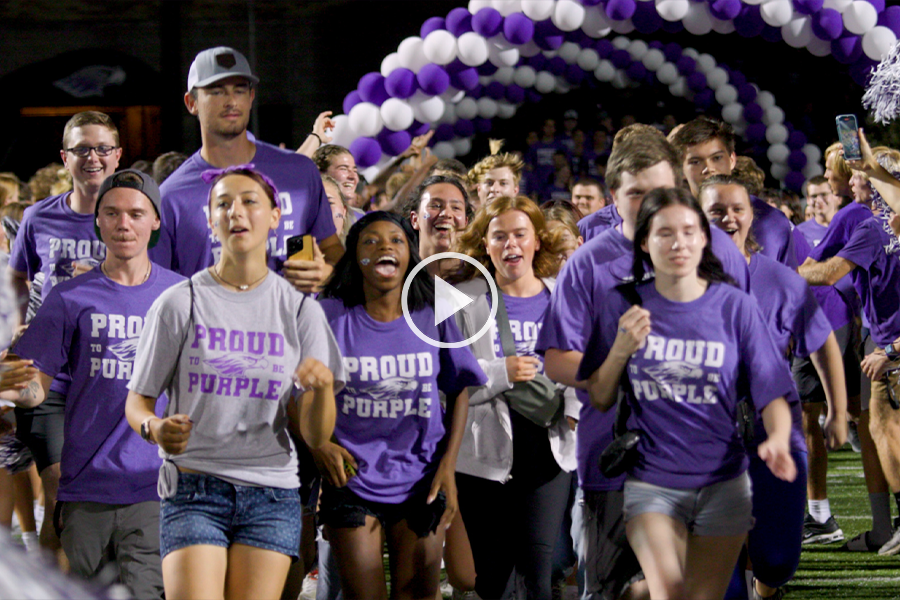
234	375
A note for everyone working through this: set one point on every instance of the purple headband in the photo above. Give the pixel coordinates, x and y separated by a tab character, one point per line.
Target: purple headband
209	175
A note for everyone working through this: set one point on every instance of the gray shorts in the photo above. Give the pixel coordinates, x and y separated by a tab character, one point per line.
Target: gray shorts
720	509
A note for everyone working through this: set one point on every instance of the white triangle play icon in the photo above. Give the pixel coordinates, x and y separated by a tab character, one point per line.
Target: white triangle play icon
447	300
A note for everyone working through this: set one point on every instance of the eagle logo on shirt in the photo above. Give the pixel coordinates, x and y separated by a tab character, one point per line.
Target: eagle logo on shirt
125	351
236	364
391	388
673	371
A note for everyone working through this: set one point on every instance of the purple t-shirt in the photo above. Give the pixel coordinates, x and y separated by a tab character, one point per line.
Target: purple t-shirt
685	381
842	226
836	308
526	317
186	243
812	231
773	232
89	327
597	222
389	413
877	279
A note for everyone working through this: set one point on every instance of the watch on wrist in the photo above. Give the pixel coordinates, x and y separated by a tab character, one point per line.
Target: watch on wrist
145	430
890	352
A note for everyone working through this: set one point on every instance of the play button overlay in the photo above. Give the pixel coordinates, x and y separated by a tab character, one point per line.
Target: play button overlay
448	300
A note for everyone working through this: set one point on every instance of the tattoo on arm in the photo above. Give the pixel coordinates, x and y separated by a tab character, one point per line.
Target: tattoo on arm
31	392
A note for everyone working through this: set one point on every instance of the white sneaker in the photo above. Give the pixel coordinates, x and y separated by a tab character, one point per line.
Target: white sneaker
892	546
310	583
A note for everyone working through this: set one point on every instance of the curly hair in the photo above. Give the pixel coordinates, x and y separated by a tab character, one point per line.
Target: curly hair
325	154
497	160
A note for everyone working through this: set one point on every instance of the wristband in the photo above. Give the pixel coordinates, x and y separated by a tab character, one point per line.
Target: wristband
317	137
145	429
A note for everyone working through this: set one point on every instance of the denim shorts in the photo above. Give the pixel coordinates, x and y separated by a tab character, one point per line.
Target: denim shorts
209	510
341	507
723	508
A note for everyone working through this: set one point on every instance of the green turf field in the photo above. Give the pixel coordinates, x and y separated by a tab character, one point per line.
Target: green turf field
825	572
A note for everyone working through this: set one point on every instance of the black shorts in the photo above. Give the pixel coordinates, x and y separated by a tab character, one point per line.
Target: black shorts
341	508
41	429
807	379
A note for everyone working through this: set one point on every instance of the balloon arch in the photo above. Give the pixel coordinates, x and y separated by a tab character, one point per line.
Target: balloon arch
483	62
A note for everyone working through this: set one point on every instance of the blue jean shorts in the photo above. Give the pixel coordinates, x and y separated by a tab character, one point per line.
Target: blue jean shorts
208	510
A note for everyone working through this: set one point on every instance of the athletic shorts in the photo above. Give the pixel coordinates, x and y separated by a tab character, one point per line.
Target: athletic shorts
865	392
342	508
807	379
41	429
723	508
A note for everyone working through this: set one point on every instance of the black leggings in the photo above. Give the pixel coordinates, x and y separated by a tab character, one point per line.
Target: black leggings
513	525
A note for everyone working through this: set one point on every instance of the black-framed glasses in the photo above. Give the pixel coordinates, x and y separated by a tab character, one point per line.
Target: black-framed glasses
85	151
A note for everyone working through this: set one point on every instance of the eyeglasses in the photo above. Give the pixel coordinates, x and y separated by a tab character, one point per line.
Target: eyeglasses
85	151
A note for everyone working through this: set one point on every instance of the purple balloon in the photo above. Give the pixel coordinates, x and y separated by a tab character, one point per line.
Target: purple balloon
646	20
464	128
847	49
771	34
417	128
443	133
656	44
476	92
366	151
746	94
736	78
808	7
575	74
393	142
620	59
827	24
725	10
753	112
794	180
672	26
432	24
796	140
487	69
580	37
591	2
696	81
556	65
878	4
705	99
672	52
351	100
518	29
466	79
547	35
533	96
686	65
756	133
515	94
797	160
749	23
636	71
603	47
538	62
862	69
401	83
620	10
459	21
487	22
495	90
371	89
482	125
433	79
890	18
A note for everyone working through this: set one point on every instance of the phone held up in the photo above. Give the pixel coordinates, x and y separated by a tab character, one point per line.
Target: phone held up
848	134
300	247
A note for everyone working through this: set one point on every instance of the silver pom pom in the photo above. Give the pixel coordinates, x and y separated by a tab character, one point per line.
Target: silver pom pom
882	95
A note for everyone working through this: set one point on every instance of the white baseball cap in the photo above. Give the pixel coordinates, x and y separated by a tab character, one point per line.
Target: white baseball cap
215	64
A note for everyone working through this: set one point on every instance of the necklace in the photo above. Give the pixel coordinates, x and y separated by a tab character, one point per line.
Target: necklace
241	288
144	280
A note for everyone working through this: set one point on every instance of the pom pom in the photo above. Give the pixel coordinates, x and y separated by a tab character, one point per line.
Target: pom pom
882	95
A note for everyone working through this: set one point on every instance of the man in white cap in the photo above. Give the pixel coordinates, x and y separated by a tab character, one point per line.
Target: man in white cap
220	93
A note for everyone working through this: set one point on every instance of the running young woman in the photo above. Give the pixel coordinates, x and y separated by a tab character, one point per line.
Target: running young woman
683	351
513	475
228	347
799	328
392	468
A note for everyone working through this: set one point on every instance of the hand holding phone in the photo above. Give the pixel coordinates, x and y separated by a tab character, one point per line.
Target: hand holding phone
848	134
300	247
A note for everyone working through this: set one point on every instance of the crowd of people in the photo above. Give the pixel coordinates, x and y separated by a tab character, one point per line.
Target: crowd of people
671	350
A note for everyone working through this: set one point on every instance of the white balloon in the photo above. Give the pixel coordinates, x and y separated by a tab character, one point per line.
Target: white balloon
467	109
596	23
444	150
673	10
605	71
740	128
487	108
390	64
538	10
777	12
620	80
878	42
726	94
691	52
411	54
753	2
698	21
765	99
439	47
525	76
396	114
342	134
813	170
778	153
654	59
427	109
563	86
798	33
371	174
860	17
484	79
545	82
365	119
548	54
637	49
568	15
453	95
716	78
720	26
449	117
623	27
667	73
505	110
569	52
529	49
507	7
705	63
732	113
505	75
813	153
838	5
588	59
776	134
620	42
476	5
462	146
473	49
678	88
779	171
818	46
502	57
773	116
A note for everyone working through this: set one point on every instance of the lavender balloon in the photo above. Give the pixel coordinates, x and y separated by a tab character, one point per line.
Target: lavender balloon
518	29
827	24
371	89
726	10
401	83
366	151
620	10
351	100
433	79
487	22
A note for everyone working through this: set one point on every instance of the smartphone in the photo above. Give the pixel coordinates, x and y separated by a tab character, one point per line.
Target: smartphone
848	134
300	247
